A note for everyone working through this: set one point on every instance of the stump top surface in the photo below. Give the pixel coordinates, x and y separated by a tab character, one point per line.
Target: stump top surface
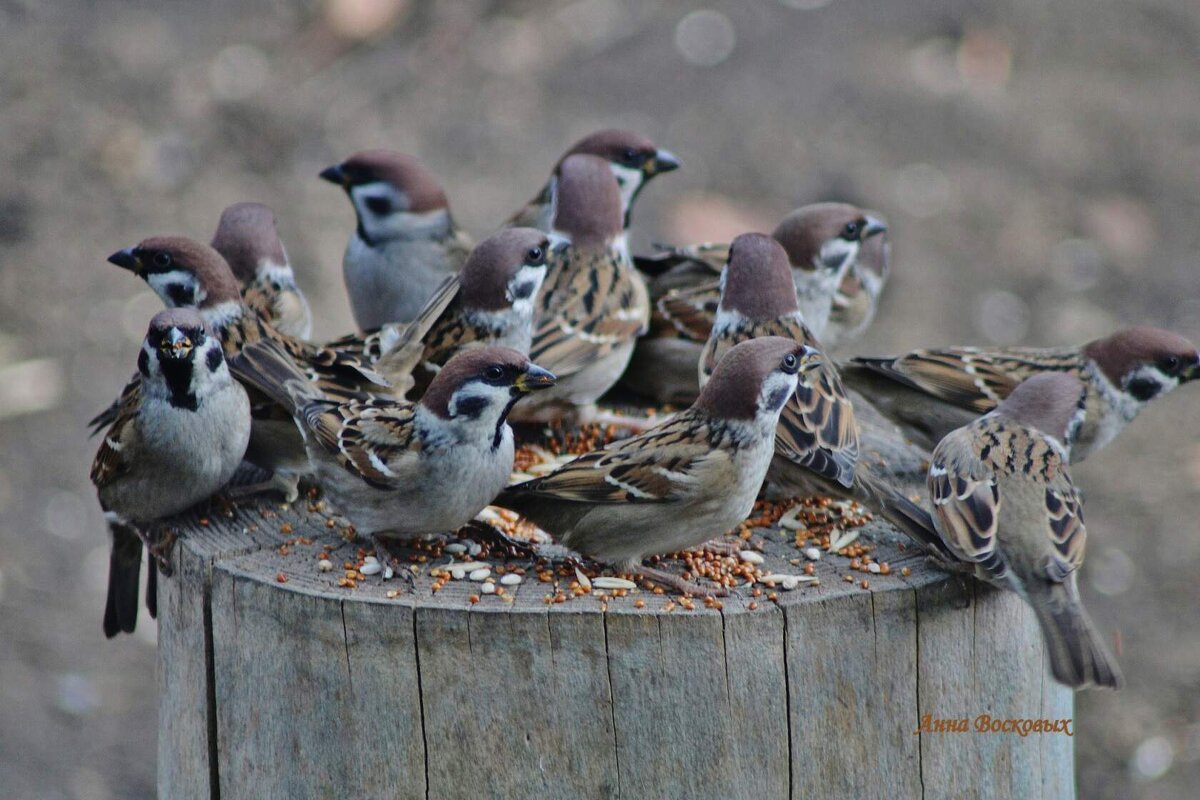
265	541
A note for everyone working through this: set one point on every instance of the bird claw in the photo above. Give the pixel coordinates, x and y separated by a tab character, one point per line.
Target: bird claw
484	533
287	485
160	551
677	583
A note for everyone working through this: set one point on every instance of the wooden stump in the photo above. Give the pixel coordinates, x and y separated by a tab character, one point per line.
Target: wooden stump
296	688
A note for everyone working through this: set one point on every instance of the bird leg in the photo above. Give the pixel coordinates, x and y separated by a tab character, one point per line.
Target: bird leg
385	560
721	546
159	547
677	583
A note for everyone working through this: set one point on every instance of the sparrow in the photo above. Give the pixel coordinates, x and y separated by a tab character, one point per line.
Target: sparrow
187	274
395	467
593	304
929	393
177	441
247	239
489	302
406	241
817	443
857	298
1005	505
632	158
687	479
822	241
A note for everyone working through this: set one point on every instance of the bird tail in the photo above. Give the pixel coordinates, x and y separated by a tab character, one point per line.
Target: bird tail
124	568
266	367
912	520
1078	656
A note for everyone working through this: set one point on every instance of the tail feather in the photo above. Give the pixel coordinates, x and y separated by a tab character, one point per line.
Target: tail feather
265	366
1078	656
912	520
124	565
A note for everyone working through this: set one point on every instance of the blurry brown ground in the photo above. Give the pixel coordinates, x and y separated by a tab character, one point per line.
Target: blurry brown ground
1040	165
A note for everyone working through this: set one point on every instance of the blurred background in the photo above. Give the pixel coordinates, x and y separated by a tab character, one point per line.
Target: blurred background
1039	164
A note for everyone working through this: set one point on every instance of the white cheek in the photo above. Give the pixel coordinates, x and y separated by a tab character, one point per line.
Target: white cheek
776	390
629	180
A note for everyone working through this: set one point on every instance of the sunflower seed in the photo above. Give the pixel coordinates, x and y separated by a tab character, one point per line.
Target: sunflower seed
324	565
480	574
812	553
455	548
605	582
751	557
488	588
371	568
511	579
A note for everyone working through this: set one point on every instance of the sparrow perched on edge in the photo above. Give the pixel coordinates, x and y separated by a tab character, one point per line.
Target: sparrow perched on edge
684	481
823	242
400	468
633	159
406	241
187	274
929	393
1005	505
177	441
247	239
593	304
817	447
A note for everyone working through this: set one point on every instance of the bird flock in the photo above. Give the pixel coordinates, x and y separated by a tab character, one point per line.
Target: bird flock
404	424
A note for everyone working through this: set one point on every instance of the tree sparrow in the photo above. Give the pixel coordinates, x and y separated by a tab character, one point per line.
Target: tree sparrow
817	447
247	239
822	241
187	274
405	243
177	441
489	303
633	159
593	304
1005	505
395	467
677	485
929	393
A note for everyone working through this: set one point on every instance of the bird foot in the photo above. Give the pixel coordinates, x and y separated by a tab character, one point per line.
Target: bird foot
501	543
721	546
384	557
677	583
160	550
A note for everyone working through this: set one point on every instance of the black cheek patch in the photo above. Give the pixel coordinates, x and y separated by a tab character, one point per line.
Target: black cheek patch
181	295
471	407
523	291
778	398
144	364
1144	389
213	359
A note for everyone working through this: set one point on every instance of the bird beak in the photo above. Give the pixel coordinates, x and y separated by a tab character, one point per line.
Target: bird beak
127	259
810	358
558	244
663	161
176	344
335	174
874	225
1191	373
533	379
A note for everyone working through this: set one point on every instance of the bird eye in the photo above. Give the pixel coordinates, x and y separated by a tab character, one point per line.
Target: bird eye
1169	364
379	206
852	230
162	259
494	373
535	256
790	364
630	156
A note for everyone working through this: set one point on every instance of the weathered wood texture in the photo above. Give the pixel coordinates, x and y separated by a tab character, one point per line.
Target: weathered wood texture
304	689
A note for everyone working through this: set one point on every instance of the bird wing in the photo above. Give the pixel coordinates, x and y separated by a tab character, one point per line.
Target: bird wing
592	305
130	395
665	463
374	439
966	500
414	340
969	377
115	454
691	312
